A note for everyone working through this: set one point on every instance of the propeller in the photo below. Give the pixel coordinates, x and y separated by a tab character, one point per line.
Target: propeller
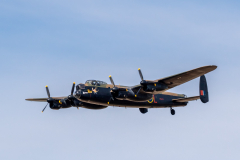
49	100
110	77
115	90
70	97
48	93
140	73
150	86
44	108
142	83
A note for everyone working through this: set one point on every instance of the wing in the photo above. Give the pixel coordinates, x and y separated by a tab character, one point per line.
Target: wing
177	79
184	77
43	99
186	99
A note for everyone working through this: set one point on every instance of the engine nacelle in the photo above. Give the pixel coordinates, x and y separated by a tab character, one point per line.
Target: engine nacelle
122	95
55	106
151	87
161	86
60	104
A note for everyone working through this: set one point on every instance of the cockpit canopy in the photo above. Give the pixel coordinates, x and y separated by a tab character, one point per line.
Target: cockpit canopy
95	83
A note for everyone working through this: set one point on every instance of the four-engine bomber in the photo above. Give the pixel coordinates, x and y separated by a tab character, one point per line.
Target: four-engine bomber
95	94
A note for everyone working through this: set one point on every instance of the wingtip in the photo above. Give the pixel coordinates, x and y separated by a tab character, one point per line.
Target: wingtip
214	67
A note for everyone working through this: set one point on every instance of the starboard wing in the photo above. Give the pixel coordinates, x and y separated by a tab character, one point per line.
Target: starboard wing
177	79
184	77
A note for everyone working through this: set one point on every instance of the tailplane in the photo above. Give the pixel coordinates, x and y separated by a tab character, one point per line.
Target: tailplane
203	89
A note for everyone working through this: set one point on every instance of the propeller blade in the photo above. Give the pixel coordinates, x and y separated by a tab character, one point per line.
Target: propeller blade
111	80
73	88
48	93
138	91
44	108
140	73
110	99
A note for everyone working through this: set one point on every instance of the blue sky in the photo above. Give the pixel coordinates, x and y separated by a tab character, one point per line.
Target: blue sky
56	43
